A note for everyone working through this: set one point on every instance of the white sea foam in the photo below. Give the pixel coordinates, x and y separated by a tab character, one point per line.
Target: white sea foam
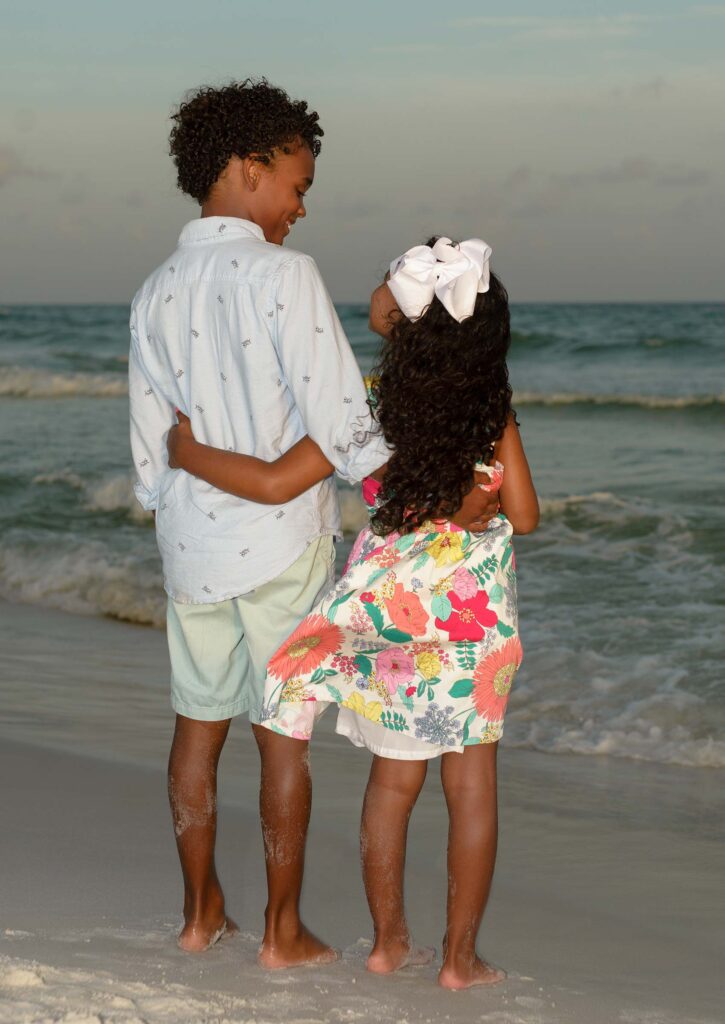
116	494
634	400
85	578
32	992
25	382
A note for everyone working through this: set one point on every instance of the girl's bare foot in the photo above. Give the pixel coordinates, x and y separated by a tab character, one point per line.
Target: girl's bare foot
465	972
197	935
302	949
387	957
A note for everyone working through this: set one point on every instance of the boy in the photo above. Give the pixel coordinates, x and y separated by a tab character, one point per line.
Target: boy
241	335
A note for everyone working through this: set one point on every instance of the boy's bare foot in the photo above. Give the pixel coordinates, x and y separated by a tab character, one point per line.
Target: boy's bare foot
302	949
387	957
198	936
465	973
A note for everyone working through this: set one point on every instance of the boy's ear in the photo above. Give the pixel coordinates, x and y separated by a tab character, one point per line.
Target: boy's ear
250	172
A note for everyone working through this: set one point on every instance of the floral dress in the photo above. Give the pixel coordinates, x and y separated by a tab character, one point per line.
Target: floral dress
419	638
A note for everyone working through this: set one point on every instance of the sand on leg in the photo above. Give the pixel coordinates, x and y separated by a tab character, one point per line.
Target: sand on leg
469	784
192	781
285	800
392	790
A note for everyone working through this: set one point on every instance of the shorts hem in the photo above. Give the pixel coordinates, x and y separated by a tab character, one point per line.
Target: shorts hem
201	713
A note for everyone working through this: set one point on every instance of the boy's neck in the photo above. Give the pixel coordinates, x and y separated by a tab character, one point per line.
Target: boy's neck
226	206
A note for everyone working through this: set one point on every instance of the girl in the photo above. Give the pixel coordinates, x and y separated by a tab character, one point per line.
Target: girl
418	642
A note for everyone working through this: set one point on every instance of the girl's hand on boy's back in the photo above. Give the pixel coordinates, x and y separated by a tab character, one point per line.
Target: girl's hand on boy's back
478	507
179	438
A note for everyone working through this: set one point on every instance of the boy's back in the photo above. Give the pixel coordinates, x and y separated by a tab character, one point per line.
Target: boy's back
240	335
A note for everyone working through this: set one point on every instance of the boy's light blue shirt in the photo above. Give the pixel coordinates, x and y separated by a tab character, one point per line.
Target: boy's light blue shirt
242	336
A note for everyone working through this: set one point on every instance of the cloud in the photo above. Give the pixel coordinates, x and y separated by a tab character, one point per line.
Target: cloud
549	28
631	171
12	166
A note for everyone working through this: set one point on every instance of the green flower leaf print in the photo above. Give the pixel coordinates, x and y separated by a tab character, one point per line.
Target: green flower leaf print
376	615
506	555
405	542
420	561
467	725
461	688
404	699
336	604
466	654
505	630
335	693
486	569
441	607
394	720
495	594
397	636
363	664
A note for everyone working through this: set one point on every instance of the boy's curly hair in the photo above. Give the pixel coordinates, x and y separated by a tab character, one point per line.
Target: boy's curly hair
213	124
442	396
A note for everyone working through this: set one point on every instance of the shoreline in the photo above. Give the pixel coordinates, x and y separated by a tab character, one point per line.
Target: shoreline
603	904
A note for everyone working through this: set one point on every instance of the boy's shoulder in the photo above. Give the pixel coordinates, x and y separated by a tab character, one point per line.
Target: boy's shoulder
236	258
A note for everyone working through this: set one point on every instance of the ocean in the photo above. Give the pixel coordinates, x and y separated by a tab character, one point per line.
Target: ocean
622	409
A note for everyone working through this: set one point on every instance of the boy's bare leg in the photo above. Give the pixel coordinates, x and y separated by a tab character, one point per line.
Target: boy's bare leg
391	793
285	800
469	783
192	794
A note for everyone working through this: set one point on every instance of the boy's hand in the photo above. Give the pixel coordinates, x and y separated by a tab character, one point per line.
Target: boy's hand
177	441
478	508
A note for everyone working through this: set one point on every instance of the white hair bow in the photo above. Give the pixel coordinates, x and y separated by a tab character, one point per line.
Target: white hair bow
455	273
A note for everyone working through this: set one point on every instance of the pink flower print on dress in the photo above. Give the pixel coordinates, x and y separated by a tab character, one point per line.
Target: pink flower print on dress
464	584
314	639
469	619
406	612
394	668
492	680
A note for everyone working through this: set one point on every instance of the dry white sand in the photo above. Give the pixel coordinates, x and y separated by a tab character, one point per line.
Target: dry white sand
607	903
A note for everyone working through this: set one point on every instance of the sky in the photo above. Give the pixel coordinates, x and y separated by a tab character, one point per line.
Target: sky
586	144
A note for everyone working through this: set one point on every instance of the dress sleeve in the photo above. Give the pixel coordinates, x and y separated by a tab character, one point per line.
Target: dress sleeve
323	375
151	418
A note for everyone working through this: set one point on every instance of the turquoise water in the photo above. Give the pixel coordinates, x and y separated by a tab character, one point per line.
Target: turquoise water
622	410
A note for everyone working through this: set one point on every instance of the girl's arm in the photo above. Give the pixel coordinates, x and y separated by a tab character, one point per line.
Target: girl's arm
517	495
269	483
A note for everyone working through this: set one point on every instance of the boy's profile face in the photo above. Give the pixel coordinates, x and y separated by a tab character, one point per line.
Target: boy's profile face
280	190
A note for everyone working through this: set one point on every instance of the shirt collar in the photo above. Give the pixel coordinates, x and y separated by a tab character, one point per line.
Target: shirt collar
210	229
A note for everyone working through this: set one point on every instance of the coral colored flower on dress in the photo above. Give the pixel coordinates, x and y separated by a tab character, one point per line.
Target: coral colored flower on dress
394	668
314	639
406	611
446	548
492	680
470	619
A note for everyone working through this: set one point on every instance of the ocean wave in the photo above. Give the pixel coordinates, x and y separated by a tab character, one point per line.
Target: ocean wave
633	400
25	382
86	578
116	494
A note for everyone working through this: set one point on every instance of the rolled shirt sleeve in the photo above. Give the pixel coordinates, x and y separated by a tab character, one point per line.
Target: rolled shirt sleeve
322	373
151	418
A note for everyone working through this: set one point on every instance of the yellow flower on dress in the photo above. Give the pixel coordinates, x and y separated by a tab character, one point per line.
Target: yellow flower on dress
446	548
428	664
371	710
294	692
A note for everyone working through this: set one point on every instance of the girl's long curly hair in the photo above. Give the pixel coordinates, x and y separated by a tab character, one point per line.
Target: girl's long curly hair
442	396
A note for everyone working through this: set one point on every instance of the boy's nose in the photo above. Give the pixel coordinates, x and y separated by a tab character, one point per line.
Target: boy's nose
301	211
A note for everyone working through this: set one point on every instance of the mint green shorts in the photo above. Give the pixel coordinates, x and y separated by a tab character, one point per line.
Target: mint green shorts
219	652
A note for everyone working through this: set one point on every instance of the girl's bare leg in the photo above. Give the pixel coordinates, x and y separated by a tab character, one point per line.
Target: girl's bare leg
285	800
469	783
390	796
192	781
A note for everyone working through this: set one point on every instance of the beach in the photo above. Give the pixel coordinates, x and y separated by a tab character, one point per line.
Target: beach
605	903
